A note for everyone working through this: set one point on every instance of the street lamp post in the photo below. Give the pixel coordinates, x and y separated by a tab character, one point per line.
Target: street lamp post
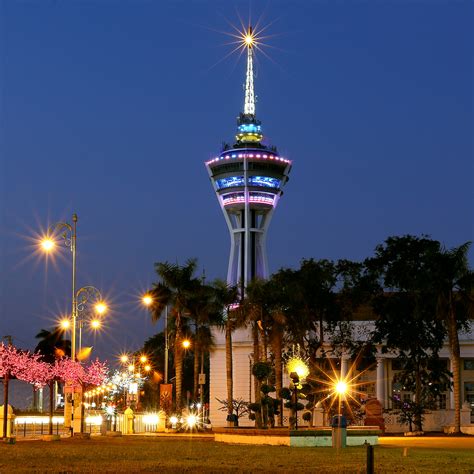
68	232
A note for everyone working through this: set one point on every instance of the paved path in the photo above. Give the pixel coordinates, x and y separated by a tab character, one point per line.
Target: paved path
447	442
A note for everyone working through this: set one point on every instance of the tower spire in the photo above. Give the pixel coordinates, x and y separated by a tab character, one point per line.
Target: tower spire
249	106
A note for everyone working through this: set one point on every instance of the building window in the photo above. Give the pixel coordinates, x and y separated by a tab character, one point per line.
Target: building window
468	364
442	401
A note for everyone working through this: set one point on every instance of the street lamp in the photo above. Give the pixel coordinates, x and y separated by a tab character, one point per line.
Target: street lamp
135	364
148	300
186	343
84	296
68	232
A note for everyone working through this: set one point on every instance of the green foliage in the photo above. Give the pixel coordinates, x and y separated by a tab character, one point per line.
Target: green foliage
261	370
285	393
266	389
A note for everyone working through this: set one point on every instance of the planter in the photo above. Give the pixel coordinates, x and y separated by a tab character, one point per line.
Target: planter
82	436
414	433
9	440
113	434
315	437
53	437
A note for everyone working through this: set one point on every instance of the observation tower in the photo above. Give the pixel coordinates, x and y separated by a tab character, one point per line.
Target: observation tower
248	178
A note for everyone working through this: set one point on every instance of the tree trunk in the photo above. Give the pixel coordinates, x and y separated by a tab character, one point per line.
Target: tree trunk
229	367
276	343
256	358
178	364
418	422
196	372
51	399
455	365
5	404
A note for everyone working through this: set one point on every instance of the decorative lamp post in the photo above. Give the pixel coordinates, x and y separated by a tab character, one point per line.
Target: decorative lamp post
84	296
68	232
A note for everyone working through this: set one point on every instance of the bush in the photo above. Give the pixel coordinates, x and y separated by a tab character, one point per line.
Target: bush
307	416
285	393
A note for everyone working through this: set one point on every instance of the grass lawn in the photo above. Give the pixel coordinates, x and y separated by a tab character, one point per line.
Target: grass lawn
136	454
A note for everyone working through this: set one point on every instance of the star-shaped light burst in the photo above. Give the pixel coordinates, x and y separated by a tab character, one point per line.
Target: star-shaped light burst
247	37
342	388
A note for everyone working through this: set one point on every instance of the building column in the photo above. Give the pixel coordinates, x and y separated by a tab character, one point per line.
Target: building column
344	365
380	381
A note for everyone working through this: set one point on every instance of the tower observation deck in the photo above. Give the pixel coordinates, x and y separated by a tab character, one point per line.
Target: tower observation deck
248	179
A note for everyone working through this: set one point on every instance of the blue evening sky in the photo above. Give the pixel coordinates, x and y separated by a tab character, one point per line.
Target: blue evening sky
110	108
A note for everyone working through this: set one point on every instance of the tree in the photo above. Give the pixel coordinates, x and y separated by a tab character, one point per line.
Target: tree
405	307
52	344
15	363
176	287
453	282
225	296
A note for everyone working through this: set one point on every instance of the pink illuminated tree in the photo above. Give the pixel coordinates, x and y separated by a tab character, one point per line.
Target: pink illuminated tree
22	365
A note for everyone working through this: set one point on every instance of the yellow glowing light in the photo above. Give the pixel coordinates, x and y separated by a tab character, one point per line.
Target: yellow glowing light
298	365
131	368
47	244
101	308
341	387
143	359
147	300
124	358
186	344
65	323
95	324
249	40
147	368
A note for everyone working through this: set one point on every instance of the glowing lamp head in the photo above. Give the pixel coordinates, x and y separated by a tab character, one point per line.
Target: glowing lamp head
186	344
124	358
173	420
65	324
191	421
131	368
341	387
147	368
47	244
299	366
95	324
100	308
249	40
147	300
143	359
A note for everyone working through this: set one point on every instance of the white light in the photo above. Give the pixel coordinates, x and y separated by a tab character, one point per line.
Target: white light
173	420
37	420
151	419
94	420
110	410
191	420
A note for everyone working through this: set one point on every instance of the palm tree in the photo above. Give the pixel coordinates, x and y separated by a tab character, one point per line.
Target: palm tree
203	311
52	344
175	289
454	283
225	296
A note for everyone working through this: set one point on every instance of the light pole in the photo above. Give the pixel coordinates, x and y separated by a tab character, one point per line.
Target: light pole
68	232
148	301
